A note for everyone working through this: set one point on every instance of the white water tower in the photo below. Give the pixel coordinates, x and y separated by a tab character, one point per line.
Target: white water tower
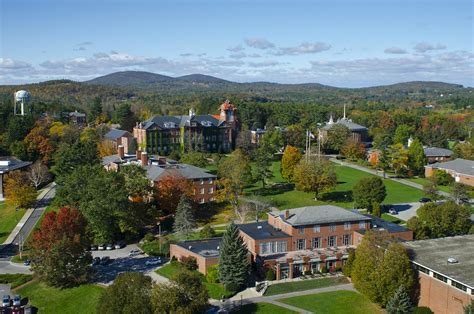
21	99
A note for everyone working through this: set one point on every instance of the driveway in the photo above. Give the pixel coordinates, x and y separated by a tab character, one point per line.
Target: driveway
5	290
406	210
7	267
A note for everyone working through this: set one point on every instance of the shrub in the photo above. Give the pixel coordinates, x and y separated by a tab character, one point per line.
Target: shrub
153	248
207	232
442	178
338	269
189	262
149	237
213	274
422	310
324	270
270	274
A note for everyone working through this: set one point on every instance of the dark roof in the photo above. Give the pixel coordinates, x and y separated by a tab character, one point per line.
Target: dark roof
348	123
262	230
8	164
206	247
114	134
381	224
171	122
461	166
436	151
311	215
77	114
154	172
434	254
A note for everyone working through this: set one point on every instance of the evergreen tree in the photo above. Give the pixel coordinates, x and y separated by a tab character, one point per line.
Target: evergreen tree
233	261
184	220
400	303
416	157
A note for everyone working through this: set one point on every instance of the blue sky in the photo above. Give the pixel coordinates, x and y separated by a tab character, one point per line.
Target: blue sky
341	43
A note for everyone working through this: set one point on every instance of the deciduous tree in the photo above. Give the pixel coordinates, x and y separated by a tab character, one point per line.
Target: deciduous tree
353	150
18	190
416	157
289	161
169	190
337	136
398	158
194	158
315	177
369	191
459	191
444	220
38	174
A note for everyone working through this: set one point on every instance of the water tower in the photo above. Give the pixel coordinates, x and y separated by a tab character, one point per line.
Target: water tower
21	99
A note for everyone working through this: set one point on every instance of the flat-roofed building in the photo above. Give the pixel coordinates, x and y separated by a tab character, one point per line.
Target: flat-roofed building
445	268
462	170
206	252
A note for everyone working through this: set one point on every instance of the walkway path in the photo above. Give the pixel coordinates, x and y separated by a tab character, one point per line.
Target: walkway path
378	173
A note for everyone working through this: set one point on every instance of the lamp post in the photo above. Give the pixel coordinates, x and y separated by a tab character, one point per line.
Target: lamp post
159	235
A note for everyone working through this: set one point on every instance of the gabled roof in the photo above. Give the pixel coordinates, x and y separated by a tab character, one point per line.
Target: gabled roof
77	114
348	123
461	166
155	173
114	134
313	215
8	164
436	152
166	122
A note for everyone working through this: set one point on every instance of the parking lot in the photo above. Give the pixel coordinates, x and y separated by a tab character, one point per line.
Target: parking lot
121	262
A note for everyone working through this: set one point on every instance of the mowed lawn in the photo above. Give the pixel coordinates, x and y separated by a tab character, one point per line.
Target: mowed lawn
301	285
9	217
335	302
82	299
341	196
262	308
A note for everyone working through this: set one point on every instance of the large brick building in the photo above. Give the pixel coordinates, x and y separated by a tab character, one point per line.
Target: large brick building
359	133
445	269
303	239
206	133
462	170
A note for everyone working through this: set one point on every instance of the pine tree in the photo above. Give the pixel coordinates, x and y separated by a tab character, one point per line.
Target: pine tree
400	303
184	220
233	260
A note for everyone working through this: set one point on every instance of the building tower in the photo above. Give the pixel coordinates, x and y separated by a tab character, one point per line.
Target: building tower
21	98
227	112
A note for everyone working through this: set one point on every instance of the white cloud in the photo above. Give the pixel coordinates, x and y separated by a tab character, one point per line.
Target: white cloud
395	50
237	48
259	43
267	63
426	47
303	48
11	64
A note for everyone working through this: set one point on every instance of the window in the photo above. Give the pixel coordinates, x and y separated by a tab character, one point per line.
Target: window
211	190
347	226
422	269
316	243
316	228
212	199
272	247
346	239
210	181
202	191
300	244
332	227
332	241
202	201
458	285
301	230
202	181
362	225
440	277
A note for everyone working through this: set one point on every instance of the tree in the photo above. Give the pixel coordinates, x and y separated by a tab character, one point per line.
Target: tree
398	158
368	192
207	232
101	197
402	134
416	157
184	222
194	158
38	142
381	266
233	259
459	192
337	136
169	190
347	268
420	230
244	141
289	161
353	150
383	162
184	294
59	249
38	174
129	293
262	169
400	303
316	177
444	220
430	189
95	110
124	116
136	183
464	150
18	191
442	177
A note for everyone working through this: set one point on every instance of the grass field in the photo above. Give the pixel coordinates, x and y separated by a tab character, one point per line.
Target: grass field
82	299
303	285
336	302
9	217
15	280
262	308
341	196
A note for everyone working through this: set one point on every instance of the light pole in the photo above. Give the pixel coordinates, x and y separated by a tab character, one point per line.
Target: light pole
159	235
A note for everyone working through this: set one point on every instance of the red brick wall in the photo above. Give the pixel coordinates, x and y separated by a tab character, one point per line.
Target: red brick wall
207	196
203	263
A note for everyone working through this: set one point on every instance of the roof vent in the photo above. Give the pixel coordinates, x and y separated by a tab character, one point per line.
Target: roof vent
218	247
452	260
190	247
375	226
259	227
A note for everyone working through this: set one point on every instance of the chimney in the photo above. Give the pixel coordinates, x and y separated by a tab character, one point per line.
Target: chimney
139	155
287	214
144	158
162	160
121	151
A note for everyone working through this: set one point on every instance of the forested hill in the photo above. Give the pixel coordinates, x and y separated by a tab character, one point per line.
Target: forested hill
165	94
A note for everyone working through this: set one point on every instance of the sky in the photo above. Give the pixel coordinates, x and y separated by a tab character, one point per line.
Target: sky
346	43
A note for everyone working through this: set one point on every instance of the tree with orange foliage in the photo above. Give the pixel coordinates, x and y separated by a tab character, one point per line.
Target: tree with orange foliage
59	249
353	150
38	141
18	190
169	191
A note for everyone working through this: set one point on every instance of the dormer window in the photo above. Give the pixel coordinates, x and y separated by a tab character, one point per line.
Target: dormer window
206	123
170	125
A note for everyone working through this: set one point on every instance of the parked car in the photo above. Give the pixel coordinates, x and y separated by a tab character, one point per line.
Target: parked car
104	260
101	247
392	211
119	245
93	247
17	300
27	262
153	262
96	261
425	200
110	247
6	300
134	252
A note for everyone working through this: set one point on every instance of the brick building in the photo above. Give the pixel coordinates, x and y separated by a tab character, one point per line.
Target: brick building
436	154
207	133
77	118
359	133
462	170
121	137
445	269
206	252
307	238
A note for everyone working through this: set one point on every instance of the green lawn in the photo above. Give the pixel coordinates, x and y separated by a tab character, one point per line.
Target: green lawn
336	302
82	299
393	219
340	196
15	280
9	217
304	285
216	290
424	181
262	308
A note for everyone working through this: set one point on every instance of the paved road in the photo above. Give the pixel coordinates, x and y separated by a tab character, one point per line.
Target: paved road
406	210
7	267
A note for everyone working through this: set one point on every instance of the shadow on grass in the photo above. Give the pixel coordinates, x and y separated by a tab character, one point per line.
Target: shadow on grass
274	189
338	196
204	213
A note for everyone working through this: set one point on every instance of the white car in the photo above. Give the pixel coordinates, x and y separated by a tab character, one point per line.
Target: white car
6	301
17	300
153	262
